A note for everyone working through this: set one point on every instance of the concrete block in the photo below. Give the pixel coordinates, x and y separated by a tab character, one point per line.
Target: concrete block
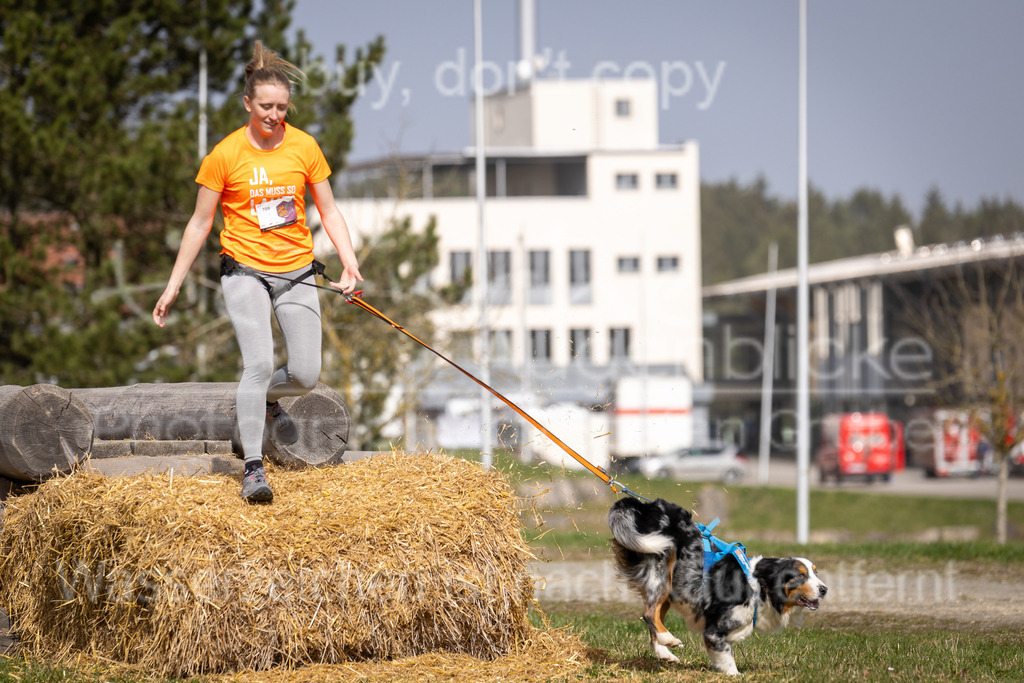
178	464
219	448
110	449
161	448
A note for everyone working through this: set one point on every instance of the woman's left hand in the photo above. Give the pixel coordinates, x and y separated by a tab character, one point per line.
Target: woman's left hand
348	280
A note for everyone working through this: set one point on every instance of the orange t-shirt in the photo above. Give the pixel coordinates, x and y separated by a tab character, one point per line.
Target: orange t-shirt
246	176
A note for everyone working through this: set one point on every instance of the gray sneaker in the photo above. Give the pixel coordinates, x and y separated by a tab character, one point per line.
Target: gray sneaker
279	423
255	488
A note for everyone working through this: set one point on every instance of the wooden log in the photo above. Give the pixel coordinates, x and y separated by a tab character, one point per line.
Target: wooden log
205	411
42	428
323	422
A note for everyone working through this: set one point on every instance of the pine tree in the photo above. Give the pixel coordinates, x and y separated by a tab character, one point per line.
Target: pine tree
92	169
97	168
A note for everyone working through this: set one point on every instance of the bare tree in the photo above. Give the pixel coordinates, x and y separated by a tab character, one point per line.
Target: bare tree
972	315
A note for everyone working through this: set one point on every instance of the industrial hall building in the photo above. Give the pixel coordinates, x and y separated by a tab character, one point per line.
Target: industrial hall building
876	343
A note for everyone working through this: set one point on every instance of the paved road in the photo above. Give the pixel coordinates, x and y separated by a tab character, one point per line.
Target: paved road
782	472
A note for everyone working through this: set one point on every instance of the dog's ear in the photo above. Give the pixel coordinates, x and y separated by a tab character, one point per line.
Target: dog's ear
770	573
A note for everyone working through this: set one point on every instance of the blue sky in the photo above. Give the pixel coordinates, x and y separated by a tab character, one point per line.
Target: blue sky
902	96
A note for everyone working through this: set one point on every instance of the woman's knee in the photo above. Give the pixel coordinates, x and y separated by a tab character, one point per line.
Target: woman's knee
258	372
305	374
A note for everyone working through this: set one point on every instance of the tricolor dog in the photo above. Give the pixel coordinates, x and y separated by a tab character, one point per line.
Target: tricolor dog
660	553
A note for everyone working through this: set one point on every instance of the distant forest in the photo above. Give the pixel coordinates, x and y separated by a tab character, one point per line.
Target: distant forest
739	223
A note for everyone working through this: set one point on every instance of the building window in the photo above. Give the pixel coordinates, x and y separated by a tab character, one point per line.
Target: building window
499	278
668	264
629	264
579	345
620	343
579	276
622	109
540	345
666	181
459	270
500	347
540	277
627	181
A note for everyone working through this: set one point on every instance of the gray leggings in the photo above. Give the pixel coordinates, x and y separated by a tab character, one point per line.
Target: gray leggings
298	314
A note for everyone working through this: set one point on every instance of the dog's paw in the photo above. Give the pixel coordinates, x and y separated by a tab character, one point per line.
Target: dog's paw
668	640
663	653
725	665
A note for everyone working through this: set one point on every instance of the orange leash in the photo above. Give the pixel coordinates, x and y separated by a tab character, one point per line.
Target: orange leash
355	298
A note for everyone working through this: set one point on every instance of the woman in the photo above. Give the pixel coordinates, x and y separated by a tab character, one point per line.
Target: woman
258	175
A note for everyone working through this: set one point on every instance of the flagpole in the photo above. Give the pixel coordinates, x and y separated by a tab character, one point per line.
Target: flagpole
481	191
803	441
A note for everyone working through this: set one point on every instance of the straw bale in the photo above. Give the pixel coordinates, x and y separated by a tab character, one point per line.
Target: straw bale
395	556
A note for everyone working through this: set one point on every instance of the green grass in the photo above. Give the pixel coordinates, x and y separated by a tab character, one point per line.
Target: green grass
23	671
826	648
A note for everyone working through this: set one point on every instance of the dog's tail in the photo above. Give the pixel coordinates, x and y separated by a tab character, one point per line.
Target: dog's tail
624	521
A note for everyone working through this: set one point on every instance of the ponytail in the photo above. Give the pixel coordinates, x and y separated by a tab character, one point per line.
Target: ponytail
266	66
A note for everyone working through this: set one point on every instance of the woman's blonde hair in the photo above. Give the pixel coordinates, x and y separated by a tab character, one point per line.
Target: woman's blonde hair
266	66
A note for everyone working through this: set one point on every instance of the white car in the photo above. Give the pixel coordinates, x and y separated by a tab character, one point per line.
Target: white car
716	461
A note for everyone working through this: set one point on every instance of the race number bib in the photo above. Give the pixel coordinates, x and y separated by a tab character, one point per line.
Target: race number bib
276	213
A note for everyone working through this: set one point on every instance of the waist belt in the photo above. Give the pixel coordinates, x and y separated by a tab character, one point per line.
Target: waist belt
229	267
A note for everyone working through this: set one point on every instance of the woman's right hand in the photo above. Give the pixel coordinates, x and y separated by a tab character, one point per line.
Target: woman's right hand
164	305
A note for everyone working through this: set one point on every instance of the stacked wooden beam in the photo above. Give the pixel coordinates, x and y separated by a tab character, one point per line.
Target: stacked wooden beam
46	429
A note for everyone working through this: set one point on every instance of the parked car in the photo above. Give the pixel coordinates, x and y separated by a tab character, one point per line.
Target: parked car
716	461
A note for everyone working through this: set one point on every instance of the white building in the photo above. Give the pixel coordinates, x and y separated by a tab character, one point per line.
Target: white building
592	230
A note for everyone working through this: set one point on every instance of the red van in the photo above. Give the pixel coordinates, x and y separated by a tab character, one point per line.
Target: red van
859	444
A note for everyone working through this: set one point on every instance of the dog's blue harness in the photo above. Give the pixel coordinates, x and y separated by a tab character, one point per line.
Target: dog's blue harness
716	549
